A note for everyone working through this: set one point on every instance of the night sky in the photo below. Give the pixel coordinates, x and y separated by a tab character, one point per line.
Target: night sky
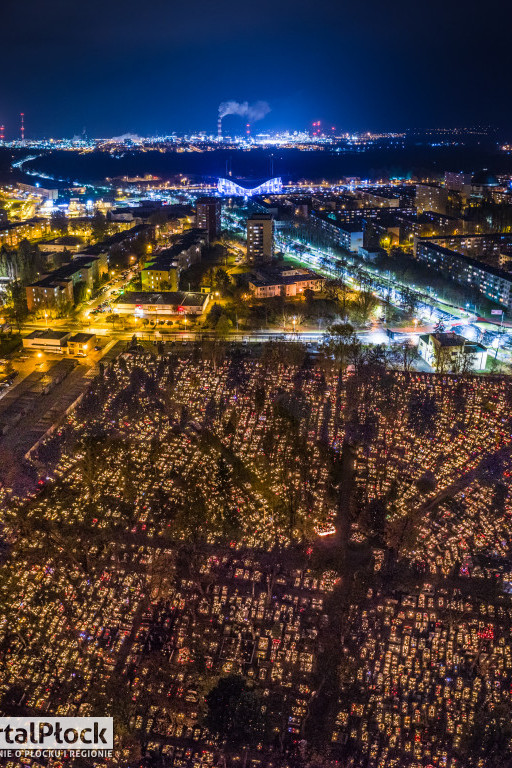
116	66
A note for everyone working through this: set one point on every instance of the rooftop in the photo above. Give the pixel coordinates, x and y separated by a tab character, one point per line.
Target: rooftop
81	338
475	263
166	259
260	217
164	298
64	273
275	276
48	333
345	226
454	340
207	200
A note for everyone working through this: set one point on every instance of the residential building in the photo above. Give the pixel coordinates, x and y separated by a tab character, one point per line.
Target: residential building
160	275
208	216
492	282
355	215
268	282
124	214
427	224
379	199
163	269
351	237
81	344
260	238
47	193
432	197
71	243
460	182
344	234
13	232
372	254
479	246
55	290
449	352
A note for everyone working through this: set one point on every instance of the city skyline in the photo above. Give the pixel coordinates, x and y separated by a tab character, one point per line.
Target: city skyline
110	70
256	385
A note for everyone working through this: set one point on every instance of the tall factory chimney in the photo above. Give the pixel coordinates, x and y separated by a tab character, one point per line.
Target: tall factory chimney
219	127
22	127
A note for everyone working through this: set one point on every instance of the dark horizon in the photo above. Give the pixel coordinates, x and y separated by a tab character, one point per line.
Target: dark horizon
111	69
291	164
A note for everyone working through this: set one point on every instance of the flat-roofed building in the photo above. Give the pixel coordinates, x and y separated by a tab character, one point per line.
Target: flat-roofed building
449	352
47	193
55	290
492	282
81	344
459	181
71	243
208	216
347	234
158	304
47	339
266	283
433	197
376	199
13	232
260	238
162	271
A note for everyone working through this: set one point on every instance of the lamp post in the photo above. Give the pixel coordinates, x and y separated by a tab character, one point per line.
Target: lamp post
499	336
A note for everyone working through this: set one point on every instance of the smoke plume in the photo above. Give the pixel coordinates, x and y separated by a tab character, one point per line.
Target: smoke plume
252	112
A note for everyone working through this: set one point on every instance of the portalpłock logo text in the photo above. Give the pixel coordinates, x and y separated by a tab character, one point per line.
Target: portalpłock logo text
56	736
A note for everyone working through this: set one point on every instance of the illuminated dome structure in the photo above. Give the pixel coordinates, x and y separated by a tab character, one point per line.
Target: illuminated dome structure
229	188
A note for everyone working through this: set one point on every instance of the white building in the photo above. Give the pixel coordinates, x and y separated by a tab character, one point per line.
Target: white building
446	353
165	303
47	339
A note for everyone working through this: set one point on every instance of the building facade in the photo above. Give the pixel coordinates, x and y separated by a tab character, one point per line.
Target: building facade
56	290
266	283
161	304
81	344
163	270
492	282
449	352
260	238
208	216
344	234
48	340
432	197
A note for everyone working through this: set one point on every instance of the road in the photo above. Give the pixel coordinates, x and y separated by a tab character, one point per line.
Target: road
430	307
374	335
390	289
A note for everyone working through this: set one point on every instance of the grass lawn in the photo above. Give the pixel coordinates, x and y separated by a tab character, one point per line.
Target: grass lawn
9	343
